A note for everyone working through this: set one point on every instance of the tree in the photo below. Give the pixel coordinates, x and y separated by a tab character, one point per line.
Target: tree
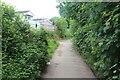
61	26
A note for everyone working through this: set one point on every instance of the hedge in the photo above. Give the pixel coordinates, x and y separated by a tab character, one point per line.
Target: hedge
24	50
96	35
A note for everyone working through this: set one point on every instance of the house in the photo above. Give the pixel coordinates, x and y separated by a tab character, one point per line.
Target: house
46	23
27	15
38	22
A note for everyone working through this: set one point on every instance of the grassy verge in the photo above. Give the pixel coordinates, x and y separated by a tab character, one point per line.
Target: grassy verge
53	44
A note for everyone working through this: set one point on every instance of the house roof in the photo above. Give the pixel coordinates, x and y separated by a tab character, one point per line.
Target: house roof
23	11
37	19
27	12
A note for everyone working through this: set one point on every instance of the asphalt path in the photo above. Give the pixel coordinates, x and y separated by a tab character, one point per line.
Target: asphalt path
67	63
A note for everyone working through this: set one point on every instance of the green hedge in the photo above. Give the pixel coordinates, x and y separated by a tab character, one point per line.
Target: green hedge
24	50
96	35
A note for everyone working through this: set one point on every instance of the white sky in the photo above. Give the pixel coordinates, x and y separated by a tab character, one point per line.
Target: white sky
40	8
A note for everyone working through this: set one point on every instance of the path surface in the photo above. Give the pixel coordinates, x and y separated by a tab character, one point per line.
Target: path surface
66	63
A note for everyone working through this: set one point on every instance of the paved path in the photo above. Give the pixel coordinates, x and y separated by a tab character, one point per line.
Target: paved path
66	63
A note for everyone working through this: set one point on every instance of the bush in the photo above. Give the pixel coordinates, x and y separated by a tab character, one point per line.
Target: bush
96	34
24	50
61	25
53	44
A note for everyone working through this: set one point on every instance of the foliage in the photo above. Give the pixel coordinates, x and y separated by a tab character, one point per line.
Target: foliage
53	44
52	34
96	33
24	50
61	24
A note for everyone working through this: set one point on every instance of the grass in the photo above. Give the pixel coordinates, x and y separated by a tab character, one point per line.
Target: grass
53	44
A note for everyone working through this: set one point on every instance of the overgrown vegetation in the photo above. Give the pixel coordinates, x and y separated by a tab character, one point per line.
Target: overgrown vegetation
62	29
25	51
96	34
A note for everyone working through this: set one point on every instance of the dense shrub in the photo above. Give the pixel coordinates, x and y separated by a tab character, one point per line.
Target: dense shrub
62	27
52	34
96	35
24	50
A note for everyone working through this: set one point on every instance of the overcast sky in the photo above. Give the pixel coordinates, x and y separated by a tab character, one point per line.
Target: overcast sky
40	8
